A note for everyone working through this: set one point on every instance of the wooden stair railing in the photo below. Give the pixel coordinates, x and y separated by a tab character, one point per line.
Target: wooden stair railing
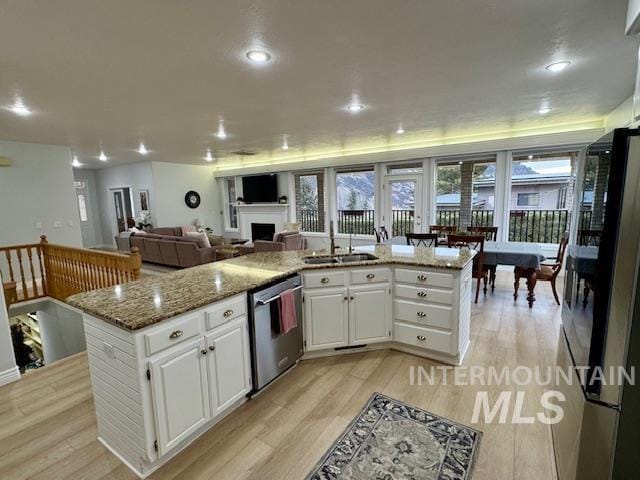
43	269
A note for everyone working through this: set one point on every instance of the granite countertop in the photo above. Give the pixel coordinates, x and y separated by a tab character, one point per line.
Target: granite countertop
150	300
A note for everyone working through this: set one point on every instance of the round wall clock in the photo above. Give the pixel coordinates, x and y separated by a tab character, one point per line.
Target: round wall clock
192	199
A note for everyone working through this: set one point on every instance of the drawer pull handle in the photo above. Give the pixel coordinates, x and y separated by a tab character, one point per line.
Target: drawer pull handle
422	338
324	280
227	313
176	334
422	278
371	276
422	314
212	347
203	351
422	294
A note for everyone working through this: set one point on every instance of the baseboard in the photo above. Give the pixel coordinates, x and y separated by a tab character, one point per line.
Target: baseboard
10	375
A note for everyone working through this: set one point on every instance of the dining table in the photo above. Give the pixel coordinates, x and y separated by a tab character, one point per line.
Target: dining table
527	256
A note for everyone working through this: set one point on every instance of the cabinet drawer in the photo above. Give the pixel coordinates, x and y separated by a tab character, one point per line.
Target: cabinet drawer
423	294
324	279
423	337
423	277
431	315
370	275
228	310
179	331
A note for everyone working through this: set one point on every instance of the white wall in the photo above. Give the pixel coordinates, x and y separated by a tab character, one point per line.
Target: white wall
92	228
61	330
8	369
137	176
622	116
37	188
172	181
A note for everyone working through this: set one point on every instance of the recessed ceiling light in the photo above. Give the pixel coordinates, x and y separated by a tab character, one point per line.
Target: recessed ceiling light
76	163
400	130
544	110
209	157
221	133
608	151
102	157
530	157
558	66
285	144
258	56
142	150
355	107
19	108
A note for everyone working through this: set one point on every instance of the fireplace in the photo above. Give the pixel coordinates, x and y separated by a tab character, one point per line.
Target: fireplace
262	231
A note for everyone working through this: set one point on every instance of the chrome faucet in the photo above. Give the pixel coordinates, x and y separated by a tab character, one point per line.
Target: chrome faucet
332	238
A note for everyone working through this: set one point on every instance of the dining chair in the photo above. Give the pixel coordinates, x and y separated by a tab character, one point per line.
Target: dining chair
548	271
491	235
589	238
422	239
442	231
382	235
474	242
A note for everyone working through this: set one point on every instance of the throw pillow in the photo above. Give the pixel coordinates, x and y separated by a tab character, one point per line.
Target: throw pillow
201	238
186	229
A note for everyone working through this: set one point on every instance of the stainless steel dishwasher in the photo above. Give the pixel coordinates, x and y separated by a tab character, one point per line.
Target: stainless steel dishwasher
272	353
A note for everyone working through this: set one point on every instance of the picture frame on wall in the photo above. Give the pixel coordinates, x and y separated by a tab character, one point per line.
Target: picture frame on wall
144	200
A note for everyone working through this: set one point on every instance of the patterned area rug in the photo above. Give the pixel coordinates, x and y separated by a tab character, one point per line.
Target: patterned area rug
390	440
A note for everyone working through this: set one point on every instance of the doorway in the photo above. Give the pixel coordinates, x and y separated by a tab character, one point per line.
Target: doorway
122	209
403	211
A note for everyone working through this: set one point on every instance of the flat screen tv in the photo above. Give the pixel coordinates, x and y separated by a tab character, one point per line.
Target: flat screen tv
260	188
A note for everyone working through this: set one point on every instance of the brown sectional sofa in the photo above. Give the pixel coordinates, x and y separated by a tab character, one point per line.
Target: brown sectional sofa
167	246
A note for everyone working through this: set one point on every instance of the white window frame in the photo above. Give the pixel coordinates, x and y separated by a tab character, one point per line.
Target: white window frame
226	203
528	205
378	171
294	206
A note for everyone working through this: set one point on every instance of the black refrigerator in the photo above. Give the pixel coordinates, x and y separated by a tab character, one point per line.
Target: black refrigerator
598	438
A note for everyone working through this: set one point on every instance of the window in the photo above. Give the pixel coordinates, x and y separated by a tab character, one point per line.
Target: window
528	199
82	207
541	196
355	195
447	194
231	211
310	201
404	168
483	194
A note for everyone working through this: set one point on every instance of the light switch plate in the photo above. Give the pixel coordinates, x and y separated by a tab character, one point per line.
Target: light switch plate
38	225
57	224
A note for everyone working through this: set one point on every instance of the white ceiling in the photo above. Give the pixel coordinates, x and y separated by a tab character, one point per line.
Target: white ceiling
112	73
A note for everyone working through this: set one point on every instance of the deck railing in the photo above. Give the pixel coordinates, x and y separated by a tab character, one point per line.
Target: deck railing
357	222
45	270
479	218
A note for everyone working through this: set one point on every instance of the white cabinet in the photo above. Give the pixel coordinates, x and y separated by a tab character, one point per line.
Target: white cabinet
326	318
180	391
358	313
228	365
369	314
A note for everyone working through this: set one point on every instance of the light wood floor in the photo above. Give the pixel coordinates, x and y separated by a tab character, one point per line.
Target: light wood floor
48	430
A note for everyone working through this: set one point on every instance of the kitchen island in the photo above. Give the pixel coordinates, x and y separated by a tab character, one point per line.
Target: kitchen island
169	355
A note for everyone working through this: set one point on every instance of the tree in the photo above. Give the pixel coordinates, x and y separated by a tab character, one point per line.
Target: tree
352	202
308	193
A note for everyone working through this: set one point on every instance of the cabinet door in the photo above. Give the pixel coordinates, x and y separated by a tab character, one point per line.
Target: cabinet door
229	364
326	318
369	314
180	393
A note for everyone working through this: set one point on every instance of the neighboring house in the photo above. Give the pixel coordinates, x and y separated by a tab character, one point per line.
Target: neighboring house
529	191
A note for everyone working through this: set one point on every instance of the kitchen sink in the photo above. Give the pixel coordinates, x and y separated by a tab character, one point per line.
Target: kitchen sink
328	260
320	260
356	257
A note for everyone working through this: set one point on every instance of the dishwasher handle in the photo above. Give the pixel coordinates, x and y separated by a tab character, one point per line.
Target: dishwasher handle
275	297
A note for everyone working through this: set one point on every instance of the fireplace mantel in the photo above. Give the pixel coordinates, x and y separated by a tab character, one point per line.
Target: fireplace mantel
276	213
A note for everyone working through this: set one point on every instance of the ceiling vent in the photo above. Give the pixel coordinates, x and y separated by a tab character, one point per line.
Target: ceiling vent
244	153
